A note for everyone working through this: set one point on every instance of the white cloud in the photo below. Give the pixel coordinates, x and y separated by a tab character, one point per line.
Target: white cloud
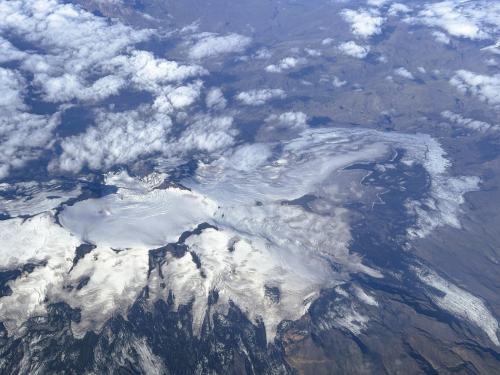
177	98
68	86
118	138
82	56
377	3
207	134
337	82
150	73
130	136
12	86
494	48
287	121
210	45
263	54
398	8
88	58
365	297
327	41
312	52
403	72
75	44
476	125
354	50
285	64
215	99
140	69
9	52
441	37
69	29
462	19
491	62
364	23
23	135
184	96
260	97
24	138
486	88
191	28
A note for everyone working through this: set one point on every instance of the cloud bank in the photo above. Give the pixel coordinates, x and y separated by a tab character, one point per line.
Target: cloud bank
353	49
485	88
210	45
364	23
260	97
474	20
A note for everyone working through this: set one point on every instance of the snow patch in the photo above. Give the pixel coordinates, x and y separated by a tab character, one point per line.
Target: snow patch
461	303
